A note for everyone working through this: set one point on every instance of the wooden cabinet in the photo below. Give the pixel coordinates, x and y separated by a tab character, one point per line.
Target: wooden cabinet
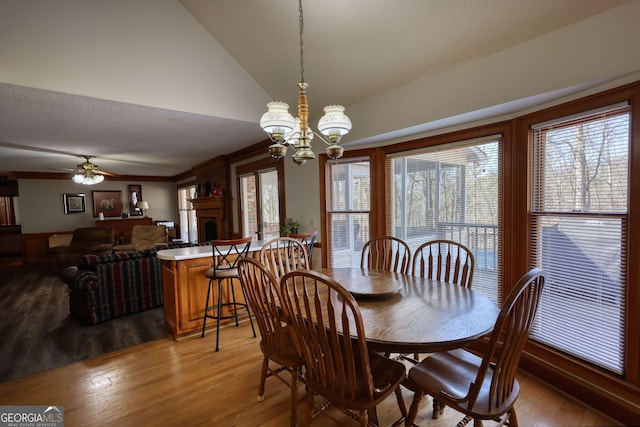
122	227
185	293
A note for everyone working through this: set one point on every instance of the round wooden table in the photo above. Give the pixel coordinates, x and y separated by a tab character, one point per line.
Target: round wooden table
407	314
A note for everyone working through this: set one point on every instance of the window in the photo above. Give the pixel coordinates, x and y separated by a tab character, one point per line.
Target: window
579	221
451	192
348	200
7	215
261	209
187	214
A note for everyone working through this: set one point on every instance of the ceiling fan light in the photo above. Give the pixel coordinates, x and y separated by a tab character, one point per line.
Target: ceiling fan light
78	178
87	177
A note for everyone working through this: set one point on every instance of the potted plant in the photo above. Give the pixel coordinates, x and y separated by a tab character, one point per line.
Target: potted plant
289	227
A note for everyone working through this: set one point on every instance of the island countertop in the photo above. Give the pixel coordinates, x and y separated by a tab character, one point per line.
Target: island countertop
193	252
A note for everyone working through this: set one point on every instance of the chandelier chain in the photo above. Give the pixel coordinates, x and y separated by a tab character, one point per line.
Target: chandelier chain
301	21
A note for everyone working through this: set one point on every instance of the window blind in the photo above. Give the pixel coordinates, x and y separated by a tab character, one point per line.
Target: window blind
578	227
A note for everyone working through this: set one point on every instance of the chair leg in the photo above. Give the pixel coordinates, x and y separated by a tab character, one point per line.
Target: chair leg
293	418
233	296
438	409
218	315
206	307
263	378
244	294
413	410
309	409
513	418
401	404
364	417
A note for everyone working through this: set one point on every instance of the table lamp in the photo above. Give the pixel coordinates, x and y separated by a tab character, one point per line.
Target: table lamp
143	205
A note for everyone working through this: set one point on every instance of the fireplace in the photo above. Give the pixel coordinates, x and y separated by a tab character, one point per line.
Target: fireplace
211	215
211	230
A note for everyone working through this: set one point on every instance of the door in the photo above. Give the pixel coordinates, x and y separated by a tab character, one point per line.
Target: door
260	204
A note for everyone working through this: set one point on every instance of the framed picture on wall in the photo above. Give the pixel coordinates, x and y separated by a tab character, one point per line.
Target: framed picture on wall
107	203
74	203
135	195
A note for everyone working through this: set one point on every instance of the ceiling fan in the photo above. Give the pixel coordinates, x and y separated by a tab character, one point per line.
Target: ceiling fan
88	173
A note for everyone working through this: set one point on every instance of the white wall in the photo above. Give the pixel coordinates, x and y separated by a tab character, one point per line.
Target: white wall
589	53
146	52
42	209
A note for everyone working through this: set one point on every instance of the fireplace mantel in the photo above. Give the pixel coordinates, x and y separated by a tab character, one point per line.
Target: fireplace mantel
210	208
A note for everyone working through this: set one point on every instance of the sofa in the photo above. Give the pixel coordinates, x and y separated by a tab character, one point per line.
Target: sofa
86	240
102	287
145	237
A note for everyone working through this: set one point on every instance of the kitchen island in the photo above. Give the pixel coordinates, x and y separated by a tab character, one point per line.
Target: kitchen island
185	286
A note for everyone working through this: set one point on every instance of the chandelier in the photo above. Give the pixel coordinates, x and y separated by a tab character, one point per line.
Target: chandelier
87	173
283	129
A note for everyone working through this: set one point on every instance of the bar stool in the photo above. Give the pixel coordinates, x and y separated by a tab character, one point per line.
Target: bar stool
308	240
226	254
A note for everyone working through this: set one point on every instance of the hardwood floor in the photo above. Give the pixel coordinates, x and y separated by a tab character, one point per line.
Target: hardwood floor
186	383
37	332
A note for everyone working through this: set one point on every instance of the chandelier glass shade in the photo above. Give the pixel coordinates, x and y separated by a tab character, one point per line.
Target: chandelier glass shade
284	130
87	174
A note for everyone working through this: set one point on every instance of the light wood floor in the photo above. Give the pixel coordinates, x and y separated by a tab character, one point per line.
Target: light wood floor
186	383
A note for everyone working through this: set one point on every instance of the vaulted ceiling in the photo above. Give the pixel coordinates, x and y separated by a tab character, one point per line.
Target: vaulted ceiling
154	87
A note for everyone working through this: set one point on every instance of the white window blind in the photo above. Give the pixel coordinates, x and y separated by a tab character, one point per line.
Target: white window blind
579	233
451	192
348	200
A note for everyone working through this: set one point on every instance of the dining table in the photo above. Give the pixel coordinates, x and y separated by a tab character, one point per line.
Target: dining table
403	313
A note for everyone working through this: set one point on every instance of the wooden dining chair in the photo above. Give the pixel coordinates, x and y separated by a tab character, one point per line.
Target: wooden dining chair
482	388
263	292
444	260
284	254
329	335
386	253
308	240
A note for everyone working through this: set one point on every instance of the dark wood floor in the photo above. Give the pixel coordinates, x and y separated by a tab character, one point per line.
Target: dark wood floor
37	333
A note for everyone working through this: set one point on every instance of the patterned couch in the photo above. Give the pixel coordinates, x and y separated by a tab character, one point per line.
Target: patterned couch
106	286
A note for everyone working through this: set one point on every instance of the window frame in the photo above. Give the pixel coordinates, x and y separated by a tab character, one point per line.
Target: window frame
255	167
570	374
498	138
185	239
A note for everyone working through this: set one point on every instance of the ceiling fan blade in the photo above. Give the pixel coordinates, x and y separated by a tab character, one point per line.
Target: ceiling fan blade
105	173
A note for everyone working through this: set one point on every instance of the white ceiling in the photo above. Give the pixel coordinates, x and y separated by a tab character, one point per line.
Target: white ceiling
353	51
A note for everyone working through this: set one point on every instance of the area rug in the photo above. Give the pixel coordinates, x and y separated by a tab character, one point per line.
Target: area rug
37	332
